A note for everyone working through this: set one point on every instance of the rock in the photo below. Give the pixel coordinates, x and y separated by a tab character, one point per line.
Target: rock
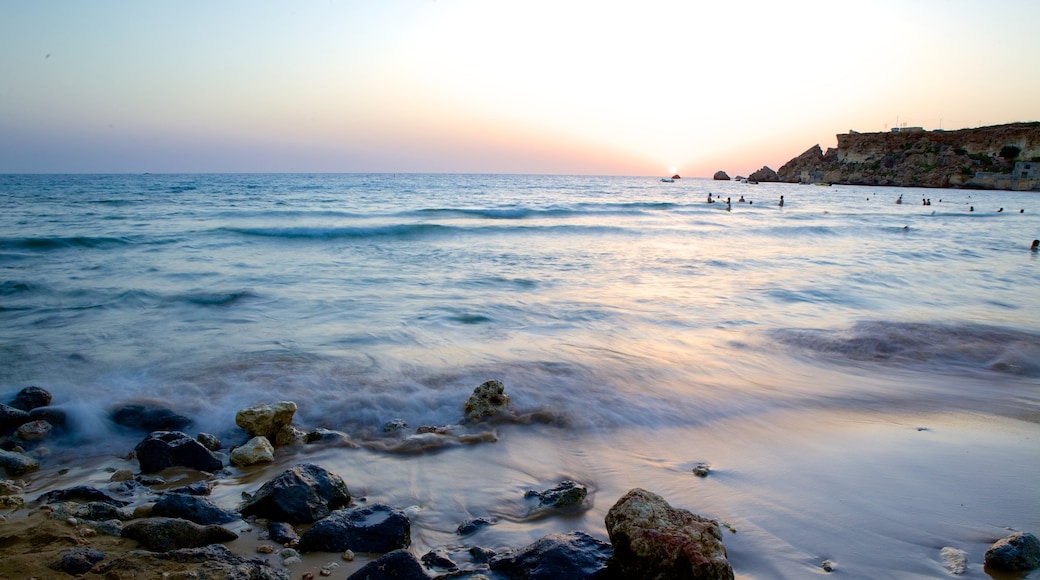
1019	552
122	475
30	398
209	441
163	449
11	418
396	565
256	450
375	528
149	417
394	425
17	464
215	561
720	176
95	511
955	561
282	533
34	430
300	495
196	488
165	534
192	508
287	435
487	400
764	174
702	470
11	487
653	540
323	435
469	527
56	417
567	494
439	558
77	561
574	555
266	420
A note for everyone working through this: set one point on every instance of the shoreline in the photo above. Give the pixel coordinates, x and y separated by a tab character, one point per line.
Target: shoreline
792	488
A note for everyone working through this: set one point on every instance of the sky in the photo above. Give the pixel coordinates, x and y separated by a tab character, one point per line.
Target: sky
494	86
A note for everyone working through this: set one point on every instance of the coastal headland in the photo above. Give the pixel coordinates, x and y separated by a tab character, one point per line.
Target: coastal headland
1003	157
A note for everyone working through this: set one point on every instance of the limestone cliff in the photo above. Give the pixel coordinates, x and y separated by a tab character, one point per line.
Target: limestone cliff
983	158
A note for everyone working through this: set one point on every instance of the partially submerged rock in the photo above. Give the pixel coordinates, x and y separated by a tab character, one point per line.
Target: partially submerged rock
720	176
300	495
954	560
653	540
17	464
30	398
163	449
375	528
148	417
487	400
567	494
574	555
396	565
256	450
215	561
192	508
1019	552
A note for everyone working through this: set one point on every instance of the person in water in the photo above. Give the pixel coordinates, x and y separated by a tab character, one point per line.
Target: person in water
781	201
728	205
710	200
1036	246
741	200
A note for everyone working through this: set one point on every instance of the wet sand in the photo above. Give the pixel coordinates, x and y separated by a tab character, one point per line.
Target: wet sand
877	494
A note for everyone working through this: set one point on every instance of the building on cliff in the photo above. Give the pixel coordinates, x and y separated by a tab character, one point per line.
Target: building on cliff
996	157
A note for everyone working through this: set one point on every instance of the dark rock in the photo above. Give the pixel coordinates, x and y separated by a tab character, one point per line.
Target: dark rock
375	528
163	449
396	565
165	534
150	480
148	418
481	555
97	511
653	540
192	508
30	398
300	495
77	561
57	417
11	418
565	495
82	494
764	174
439	559
720	176
196	488
209	441
17	464
217	562
327	436
1019	552
282	533
574	555
487	400
471	526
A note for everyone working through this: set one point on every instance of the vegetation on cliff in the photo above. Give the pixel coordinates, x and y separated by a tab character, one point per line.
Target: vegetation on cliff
981	158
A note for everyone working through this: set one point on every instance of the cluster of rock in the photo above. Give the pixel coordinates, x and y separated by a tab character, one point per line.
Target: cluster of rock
973	158
648	538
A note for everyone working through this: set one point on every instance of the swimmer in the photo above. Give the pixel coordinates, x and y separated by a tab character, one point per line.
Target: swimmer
900	200
781	201
1036	246
741	200
728	206
710	200
1000	210
972	208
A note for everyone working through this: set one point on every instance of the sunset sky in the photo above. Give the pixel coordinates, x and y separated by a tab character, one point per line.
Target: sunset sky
485	86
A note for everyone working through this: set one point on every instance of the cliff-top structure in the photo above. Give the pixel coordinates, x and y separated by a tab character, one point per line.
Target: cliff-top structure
996	157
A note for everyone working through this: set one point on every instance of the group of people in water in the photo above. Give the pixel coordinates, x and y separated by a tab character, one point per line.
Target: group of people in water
729	203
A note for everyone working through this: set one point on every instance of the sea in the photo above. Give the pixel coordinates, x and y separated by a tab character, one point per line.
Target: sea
861	376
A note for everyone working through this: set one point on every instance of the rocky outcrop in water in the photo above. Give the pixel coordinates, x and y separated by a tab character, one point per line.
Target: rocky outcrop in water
574	555
488	400
720	176
765	174
376	528
996	157
300	495
163	449
1019	552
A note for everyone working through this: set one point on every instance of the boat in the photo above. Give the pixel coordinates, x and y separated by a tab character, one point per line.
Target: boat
667	180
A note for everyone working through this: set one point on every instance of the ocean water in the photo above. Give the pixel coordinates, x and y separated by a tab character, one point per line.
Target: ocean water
638	330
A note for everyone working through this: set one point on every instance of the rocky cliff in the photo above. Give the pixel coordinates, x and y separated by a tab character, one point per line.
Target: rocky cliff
982	158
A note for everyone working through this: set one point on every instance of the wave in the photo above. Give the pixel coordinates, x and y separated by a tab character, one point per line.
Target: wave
974	345
62	242
403	231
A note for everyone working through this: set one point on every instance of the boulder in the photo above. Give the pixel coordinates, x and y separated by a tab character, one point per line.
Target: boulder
654	541
487	400
148	417
192	508
1019	552
34	430
17	464
300	495
194	488
396	565
165	534
720	176
77	561
11	418
375	528
256	450
209	441
287	435
266	420
30	398
764	174
574	555
472	526
163	449
215	561
954	560
56	417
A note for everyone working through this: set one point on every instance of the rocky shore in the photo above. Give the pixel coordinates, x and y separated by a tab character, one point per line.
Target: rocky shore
143	525
996	157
